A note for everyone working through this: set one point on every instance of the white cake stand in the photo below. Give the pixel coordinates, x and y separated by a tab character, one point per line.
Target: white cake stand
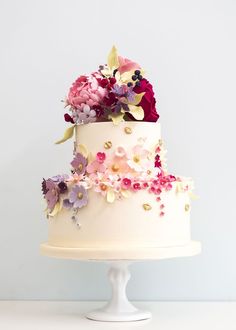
119	308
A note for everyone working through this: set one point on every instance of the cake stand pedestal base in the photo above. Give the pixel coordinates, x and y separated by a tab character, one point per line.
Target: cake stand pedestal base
118	308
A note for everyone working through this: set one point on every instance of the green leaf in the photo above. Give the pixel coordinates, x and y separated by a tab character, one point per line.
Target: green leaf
193	196
67	135
137	99
110	196
83	150
56	209
125	193
112	60
136	112
116	118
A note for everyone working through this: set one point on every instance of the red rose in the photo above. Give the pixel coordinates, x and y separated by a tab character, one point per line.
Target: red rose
148	102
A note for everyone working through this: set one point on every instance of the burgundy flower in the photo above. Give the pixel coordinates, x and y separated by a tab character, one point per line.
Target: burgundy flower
44	187
110	99
148	102
68	118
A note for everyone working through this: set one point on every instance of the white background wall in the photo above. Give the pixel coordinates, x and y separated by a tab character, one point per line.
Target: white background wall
188	50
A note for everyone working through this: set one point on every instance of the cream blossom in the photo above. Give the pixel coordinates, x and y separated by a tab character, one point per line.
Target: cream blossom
138	159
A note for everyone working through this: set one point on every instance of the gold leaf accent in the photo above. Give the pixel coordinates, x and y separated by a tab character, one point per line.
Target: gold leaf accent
136	112
128	130
67	135
186	207
193	196
147	207
108	145
116	118
83	150
112	59
125	193
110	196
55	210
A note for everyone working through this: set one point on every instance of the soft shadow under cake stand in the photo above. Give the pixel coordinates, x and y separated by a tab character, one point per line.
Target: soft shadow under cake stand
119	308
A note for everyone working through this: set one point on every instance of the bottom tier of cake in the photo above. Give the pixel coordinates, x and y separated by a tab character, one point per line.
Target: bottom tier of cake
138	221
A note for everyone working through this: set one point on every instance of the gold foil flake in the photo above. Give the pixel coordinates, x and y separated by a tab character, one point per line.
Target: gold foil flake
160	142
186	207
128	130
115	168
108	145
147	207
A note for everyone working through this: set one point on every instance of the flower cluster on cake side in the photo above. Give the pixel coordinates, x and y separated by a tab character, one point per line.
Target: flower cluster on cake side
116	92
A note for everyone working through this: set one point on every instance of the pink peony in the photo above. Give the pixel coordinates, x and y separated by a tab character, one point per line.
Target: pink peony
127	65
86	90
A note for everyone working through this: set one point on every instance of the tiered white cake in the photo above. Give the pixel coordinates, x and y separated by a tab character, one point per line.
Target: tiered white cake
119	195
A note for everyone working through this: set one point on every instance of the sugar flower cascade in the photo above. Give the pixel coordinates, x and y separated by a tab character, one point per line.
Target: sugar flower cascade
116	92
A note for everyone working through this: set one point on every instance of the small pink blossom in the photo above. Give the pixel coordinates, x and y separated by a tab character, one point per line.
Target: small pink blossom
100	157
162	214
96	166
136	186
117	162
125	183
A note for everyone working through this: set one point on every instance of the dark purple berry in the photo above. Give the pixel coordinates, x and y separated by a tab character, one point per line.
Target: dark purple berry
134	77
130	84
137	72
140	77
62	186
137	83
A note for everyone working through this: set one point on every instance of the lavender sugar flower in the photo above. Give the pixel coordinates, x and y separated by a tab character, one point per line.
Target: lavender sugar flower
78	196
79	163
85	115
52	195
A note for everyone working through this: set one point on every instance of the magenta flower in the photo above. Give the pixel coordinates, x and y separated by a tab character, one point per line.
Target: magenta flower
125	183
79	163
101	156
78	196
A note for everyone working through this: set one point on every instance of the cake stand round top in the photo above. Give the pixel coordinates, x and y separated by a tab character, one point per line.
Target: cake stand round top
121	253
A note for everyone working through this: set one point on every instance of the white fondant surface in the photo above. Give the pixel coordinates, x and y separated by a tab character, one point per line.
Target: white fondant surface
124	222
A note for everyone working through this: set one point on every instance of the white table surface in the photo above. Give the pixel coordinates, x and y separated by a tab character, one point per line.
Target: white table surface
45	315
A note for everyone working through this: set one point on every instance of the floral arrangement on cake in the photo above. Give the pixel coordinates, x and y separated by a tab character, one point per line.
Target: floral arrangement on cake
114	176
117	91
